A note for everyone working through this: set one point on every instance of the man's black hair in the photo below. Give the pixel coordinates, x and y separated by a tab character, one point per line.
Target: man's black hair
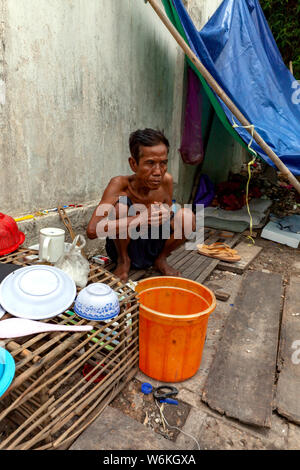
145	138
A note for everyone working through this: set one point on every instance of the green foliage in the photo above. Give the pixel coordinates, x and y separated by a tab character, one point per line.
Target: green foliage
284	20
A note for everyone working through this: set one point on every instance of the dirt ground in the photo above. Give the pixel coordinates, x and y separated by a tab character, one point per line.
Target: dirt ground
275	258
144	408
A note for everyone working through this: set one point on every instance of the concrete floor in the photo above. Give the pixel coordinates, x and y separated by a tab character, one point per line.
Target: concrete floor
204	428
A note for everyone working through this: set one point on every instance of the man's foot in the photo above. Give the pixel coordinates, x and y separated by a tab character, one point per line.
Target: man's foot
122	270
162	266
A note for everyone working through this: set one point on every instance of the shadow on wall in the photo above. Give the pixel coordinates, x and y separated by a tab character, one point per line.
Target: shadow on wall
151	60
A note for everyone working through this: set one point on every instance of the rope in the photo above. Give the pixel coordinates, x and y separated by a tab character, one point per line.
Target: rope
249	173
174	427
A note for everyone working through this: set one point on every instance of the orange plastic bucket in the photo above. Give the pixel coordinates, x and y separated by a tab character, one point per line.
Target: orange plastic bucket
173	320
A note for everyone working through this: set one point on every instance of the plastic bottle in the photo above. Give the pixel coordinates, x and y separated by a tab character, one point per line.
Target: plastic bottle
174	206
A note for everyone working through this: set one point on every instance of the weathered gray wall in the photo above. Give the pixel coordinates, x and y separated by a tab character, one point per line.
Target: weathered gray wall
76	77
79	76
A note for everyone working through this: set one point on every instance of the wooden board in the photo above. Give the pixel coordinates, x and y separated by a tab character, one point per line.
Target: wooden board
248	253
194	267
288	385
190	263
241	379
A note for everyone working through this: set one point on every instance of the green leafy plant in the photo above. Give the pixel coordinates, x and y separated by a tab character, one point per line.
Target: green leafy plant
283	18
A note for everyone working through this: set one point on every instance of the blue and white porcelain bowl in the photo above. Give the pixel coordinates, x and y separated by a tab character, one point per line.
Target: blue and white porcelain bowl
97	302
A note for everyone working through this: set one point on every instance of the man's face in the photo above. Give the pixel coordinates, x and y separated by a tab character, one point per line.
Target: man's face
152	165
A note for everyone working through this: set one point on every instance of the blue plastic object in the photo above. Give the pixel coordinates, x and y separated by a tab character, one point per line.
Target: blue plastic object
7	370
237	47
146	388
170	401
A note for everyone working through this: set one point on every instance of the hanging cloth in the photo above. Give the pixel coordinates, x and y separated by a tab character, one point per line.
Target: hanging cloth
191	149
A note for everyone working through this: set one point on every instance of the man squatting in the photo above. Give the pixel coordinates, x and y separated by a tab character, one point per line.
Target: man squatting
152	186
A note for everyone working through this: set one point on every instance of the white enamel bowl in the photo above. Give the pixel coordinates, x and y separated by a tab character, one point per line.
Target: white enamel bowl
37	292
97	302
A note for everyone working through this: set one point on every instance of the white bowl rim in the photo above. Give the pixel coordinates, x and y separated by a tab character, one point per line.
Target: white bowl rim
98	289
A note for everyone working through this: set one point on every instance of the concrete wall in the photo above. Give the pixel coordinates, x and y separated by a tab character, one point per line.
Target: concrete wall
77	77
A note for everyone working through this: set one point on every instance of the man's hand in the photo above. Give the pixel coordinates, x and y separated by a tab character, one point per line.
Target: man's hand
159	213
156	214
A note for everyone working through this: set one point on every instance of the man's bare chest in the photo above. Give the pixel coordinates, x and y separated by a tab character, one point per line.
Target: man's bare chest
154	196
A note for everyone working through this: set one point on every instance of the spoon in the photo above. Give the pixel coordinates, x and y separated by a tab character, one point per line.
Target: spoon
16	327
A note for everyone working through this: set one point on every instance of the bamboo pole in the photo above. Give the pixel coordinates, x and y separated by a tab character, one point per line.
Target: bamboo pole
223	96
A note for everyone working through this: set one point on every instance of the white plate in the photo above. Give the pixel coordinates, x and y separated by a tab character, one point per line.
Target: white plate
37	292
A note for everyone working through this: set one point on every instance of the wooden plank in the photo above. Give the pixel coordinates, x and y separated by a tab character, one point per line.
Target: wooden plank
180	257
209	266
195	266
193	259
222	295
184	262
192	265
240	383
177	255
248	253
287	394
137	275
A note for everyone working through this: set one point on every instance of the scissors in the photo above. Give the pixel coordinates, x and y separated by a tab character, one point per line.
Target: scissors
165	393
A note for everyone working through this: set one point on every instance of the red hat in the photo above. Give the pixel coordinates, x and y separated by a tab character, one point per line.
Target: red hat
10	236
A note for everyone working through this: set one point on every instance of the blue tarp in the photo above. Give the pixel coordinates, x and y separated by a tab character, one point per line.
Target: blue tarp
238	49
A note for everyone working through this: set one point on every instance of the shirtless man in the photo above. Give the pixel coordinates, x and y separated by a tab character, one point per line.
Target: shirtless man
152	186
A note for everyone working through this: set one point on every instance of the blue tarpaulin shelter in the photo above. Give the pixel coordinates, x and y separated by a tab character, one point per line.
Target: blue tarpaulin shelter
237	47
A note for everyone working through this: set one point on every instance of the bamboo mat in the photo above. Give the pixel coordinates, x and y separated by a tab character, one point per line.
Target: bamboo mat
50	401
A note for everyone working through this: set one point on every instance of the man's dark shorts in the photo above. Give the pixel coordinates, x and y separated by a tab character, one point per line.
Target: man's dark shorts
141	252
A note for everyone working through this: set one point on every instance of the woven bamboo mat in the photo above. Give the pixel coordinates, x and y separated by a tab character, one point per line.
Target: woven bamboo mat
50	401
